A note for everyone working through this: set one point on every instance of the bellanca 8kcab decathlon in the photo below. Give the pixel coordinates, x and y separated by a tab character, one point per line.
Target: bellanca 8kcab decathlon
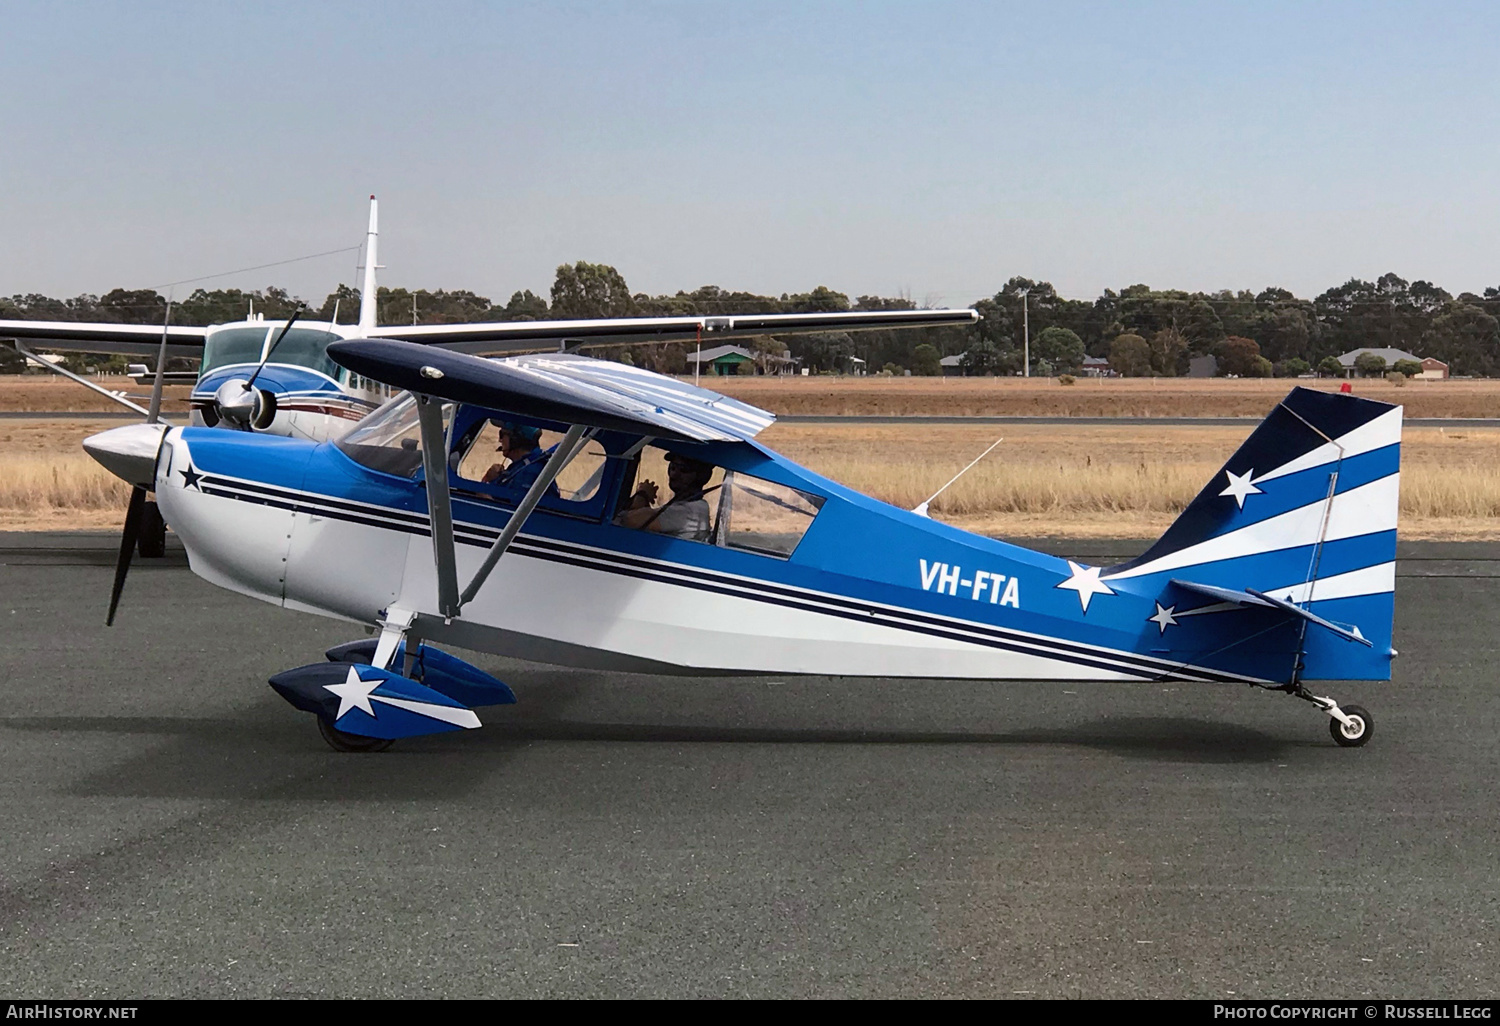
1280	573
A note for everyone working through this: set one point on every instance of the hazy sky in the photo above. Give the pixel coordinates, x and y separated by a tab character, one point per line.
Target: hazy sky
932	149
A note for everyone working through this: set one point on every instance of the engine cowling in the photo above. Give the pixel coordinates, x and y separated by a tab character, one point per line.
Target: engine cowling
245	406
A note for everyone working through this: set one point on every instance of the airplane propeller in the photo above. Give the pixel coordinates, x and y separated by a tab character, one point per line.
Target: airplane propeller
129	537
128	457
241	403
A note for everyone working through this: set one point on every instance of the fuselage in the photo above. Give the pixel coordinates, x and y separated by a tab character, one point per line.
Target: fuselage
862	589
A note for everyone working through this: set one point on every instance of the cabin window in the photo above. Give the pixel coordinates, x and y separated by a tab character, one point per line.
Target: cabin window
716	506
480	459
756	515
476	458
390	439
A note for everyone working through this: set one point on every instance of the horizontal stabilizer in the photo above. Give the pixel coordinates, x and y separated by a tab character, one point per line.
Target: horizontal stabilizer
1287	607
1251	597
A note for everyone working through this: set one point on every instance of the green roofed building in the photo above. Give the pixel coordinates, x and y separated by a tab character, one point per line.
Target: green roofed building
724	360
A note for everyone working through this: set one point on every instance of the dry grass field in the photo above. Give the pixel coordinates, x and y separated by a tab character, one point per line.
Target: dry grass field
1080	481
966	397
32	393
1086	397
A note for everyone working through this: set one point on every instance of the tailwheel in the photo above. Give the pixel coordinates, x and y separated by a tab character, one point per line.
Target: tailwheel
1357	731
340	741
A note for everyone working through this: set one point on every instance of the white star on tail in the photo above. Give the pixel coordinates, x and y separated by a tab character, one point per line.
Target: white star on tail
1239	487
1164	618
1085	581
354	693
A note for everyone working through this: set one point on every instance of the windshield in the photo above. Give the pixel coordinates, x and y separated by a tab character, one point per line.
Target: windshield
390	439
232	345
306	347
302	347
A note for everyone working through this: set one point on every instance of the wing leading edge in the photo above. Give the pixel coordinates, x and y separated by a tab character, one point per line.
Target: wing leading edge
492	338
123	339
513	336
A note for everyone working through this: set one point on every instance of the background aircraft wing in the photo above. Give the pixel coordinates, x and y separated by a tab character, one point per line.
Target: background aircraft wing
122	339
498	337
562	387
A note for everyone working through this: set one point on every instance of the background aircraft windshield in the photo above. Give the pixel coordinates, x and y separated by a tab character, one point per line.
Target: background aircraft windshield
302	347
306	347
232	345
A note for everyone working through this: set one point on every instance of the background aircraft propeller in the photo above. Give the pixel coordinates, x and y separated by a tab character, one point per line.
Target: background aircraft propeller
244	405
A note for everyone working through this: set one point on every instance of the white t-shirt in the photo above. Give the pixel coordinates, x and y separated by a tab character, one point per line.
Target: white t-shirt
683	520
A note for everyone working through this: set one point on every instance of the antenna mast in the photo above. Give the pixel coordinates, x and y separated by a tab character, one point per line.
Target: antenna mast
367	292
921	510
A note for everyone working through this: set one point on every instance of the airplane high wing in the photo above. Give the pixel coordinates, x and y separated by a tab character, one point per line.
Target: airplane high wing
121	339
501	337
489	338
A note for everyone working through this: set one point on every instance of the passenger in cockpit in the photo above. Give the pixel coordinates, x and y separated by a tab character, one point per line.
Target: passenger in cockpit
686	514
520	444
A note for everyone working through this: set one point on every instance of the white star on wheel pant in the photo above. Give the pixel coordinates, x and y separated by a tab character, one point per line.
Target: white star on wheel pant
1085	581
354	693
1239	487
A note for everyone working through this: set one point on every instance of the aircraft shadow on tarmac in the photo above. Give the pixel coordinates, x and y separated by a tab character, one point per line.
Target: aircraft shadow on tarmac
276	757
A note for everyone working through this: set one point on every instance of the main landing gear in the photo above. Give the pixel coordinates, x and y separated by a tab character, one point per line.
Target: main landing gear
342	742
371	692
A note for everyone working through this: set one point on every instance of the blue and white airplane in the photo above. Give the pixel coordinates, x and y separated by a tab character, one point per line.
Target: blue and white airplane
1280	573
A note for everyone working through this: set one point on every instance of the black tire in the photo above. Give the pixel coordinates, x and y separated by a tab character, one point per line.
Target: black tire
342	742
152	541
1343	735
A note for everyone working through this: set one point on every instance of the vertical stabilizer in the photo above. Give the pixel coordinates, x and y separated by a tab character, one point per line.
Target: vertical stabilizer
1303	514
367	290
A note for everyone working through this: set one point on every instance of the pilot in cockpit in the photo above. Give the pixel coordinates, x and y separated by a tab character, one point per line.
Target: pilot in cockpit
520	444
686	514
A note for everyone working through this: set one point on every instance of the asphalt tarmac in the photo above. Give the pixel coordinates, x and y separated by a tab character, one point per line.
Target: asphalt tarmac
169	827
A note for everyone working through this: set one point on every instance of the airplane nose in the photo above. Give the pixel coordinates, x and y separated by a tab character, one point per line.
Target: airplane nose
128	452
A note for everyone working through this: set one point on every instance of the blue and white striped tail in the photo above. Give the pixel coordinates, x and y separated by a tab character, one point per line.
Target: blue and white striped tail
1305	512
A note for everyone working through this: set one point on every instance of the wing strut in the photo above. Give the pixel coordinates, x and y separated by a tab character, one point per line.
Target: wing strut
439	503
569	447
85	382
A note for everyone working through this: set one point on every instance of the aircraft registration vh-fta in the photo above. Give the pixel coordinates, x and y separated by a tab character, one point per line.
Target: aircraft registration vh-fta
1281	571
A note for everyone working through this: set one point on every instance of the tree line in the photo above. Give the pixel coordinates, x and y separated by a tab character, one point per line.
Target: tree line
1140	330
